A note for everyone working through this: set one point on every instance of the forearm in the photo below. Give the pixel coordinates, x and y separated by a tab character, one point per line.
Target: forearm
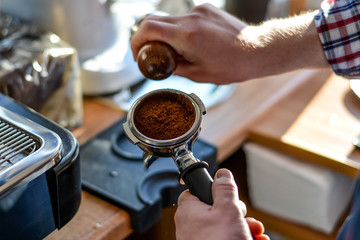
283	45
218	48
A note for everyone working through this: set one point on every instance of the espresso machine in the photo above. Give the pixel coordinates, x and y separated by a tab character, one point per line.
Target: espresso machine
100	32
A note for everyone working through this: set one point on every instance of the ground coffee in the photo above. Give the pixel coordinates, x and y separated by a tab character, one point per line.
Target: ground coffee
164	115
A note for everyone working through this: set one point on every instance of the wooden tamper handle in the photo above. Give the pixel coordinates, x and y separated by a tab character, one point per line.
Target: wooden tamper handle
157	60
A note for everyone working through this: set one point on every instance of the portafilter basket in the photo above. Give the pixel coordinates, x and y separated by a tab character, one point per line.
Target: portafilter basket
193	171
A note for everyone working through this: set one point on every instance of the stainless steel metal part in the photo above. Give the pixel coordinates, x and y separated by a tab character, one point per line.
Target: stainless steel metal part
193	171
27	150
178	148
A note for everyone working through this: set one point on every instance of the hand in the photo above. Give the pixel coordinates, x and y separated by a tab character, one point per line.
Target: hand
205	39
219	48
224	220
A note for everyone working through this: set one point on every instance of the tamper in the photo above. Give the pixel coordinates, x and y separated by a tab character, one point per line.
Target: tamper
156	60
166	123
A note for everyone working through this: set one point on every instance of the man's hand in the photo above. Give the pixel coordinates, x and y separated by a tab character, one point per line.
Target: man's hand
224	220
219	48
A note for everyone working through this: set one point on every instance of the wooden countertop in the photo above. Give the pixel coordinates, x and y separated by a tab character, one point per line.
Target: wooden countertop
318	126
315	123
250	109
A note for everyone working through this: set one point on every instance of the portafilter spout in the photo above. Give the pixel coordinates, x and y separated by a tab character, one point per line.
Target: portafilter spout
166	123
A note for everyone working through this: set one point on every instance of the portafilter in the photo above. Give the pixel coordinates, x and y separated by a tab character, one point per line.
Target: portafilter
166	123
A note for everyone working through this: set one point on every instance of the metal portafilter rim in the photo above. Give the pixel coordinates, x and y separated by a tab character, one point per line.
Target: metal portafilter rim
199	110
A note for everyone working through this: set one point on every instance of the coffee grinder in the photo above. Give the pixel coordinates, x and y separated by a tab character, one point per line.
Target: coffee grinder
192	171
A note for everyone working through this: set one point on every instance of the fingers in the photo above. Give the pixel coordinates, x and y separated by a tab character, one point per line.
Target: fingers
150	31
187	205
225	192
156	28
262	237
186	197
188	201
256	227
227	207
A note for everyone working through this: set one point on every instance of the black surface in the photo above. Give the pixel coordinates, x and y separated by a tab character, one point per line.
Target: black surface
117	174
26	213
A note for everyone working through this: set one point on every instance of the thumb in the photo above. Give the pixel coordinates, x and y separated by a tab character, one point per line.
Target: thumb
225	192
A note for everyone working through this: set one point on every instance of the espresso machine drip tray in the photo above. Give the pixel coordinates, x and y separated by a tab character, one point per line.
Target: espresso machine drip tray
112	168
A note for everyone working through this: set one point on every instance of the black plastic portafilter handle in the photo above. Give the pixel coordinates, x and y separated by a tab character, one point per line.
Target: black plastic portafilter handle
197	178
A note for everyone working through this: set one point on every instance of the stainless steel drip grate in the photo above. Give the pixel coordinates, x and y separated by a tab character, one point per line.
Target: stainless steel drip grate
15	145
27	150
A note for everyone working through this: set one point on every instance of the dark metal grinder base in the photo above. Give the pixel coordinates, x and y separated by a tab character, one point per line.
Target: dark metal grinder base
112	168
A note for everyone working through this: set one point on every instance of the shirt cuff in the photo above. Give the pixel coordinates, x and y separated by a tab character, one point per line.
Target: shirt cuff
338	26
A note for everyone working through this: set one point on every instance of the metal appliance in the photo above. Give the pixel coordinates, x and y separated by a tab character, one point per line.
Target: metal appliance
40	188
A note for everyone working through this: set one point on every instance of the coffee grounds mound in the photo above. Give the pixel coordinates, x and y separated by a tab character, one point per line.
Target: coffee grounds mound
164	116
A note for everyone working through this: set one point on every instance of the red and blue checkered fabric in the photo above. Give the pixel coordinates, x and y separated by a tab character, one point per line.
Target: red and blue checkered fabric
338	25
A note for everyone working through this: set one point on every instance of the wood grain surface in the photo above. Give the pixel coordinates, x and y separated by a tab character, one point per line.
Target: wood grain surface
311	111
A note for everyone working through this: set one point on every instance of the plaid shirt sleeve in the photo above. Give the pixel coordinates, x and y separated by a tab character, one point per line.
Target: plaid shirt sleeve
338	25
